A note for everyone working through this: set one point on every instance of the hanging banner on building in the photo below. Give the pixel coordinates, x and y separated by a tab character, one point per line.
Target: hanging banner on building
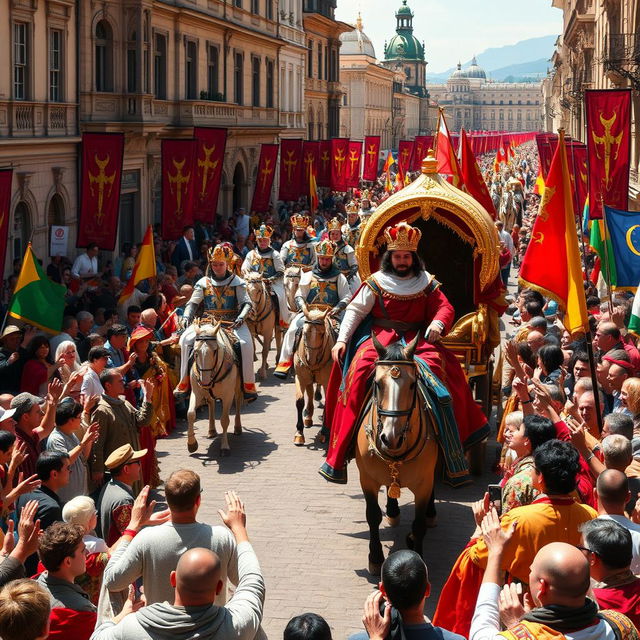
210	160
6	176
353	163
324	165
577	158
290	169
371	155
310	161
101	174
339	154
544	151
178	185
405	157
264	178
420	149
608	148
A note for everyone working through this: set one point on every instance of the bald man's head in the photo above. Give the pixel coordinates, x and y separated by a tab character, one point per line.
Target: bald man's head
535	340
197	577
559	575
612	487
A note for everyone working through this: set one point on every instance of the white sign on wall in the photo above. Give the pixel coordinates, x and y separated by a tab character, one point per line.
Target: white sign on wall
59	240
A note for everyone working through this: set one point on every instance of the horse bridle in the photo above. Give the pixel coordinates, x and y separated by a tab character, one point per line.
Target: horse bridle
214	378
268	305
322	345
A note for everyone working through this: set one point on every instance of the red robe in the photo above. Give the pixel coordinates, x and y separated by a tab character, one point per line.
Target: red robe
344	406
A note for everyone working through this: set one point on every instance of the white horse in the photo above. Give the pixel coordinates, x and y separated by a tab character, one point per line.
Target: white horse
291	282
215	375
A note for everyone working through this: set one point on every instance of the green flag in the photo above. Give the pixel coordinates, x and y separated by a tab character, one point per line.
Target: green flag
596	240
36	299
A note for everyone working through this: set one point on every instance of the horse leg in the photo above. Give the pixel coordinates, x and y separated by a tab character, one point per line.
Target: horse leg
317	396
225	410
211	405
308	410
237	426
192	443
266	346
279	334
374	518
431	515
298	439
392	511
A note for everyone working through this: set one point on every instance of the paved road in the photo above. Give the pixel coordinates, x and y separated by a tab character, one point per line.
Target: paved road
311	536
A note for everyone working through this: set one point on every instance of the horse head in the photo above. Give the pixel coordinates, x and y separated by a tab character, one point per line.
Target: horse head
206	352
394	394
315	335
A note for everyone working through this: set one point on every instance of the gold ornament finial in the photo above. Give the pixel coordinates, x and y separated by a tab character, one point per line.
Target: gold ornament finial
359	22
430	164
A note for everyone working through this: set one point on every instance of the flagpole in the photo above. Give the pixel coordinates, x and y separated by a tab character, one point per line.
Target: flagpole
606	254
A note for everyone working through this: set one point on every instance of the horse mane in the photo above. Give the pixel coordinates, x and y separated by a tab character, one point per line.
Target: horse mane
395	351
292	272
315	314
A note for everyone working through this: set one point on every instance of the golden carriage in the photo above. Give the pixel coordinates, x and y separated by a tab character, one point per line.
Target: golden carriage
460	247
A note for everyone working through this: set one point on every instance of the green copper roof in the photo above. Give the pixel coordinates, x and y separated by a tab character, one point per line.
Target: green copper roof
404	45
404	10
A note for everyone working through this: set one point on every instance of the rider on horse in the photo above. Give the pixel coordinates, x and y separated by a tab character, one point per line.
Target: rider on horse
323	288
345	256
366	209
298	252
396	302
224	299
351	230
267	261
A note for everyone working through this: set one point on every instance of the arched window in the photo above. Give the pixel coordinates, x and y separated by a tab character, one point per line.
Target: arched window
104	56
21	229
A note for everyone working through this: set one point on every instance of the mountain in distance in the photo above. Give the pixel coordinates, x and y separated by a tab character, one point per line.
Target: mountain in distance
527	55
523	72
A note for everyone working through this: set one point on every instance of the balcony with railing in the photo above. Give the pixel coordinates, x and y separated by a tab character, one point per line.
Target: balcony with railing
622	58
23	119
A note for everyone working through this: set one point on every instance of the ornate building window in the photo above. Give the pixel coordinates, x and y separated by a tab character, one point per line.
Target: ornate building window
160	67
21	61
104	56
310	59
269	9
213	65
320	61
270	84
255	82
255	6
55	65
132	63
191	70
237	3
238	78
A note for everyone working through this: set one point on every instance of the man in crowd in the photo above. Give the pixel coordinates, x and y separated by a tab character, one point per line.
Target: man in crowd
185	249
85	325
25	608
85	266
69	333
118	420
13	354
198	579
116	344
299	252
608	338
97	362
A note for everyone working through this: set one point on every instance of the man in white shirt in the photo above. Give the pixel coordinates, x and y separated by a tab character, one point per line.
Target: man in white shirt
85	266
242	224
91	385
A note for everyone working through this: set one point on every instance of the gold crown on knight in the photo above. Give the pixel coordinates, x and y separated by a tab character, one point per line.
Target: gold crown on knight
221	253
326	248
299	222
402	237
334	225
264	231
352	207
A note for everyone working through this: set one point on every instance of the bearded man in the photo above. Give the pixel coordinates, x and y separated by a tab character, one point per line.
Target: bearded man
397	302
298	252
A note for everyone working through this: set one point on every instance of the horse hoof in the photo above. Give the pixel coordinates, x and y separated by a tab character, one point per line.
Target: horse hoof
308	422
321	438
410	541
374	568
298	439
192	447
431	522
212	435
392	521
237	431
225	452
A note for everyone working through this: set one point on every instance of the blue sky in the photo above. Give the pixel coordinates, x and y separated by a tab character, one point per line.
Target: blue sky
456	29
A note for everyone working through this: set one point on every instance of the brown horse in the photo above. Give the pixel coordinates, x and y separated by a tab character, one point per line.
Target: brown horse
262	320
291	281
396	446
312	361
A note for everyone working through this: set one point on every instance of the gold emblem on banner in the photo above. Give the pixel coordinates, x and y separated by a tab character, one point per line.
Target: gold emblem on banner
629	239
353	159
101	180
308	161
207	164
290	164
607	140
549	192
265	172
371	154
325	159
339	160
180	182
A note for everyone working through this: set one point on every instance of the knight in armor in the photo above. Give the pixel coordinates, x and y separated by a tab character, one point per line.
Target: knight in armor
223	298
266	261
395	303
366	209
234	260
322	288
299	251
351	229
345	256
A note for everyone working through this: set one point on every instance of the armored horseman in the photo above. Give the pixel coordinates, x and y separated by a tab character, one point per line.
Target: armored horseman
351	229
345	256
266	261
366	209
322	288
224	298
299	251
395	303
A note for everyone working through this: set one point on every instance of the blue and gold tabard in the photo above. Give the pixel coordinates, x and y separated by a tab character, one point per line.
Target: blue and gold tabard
263	264
323	294
220	302
341	261
299	256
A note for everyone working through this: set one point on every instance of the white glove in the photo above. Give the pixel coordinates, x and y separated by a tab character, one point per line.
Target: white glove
434	331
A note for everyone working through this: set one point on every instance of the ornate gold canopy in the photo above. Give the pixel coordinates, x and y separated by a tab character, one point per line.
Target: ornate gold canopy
430	196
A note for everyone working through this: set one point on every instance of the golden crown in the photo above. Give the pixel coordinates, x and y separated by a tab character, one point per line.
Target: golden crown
326	248
218	254
264	231
402	237
299	222
334	225
352	207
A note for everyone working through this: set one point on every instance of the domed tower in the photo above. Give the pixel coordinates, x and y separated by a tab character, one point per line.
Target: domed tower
476	74
405	50
356	42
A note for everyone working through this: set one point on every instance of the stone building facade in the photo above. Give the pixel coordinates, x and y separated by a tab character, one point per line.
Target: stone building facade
598	49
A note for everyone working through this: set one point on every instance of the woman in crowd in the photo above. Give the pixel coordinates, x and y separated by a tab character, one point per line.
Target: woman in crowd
68	355
38	368
550	359
630	399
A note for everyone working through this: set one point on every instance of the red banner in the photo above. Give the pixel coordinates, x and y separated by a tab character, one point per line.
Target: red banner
211	146
339	155
405	157
310	159
290	169
371	155
420	150
474	184
264	178
577	159
100	189
324	167
543	140
6	176
178	185
609	147
353	163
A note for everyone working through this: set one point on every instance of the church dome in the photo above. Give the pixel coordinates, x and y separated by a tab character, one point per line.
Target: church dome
404	45
458	73
475	70
356	42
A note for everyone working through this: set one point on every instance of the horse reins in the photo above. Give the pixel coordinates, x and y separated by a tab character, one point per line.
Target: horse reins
214	378
322	346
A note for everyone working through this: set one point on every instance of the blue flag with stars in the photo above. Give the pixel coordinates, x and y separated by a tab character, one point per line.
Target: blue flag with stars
624	232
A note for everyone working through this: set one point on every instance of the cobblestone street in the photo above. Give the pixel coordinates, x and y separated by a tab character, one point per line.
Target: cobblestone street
311	536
